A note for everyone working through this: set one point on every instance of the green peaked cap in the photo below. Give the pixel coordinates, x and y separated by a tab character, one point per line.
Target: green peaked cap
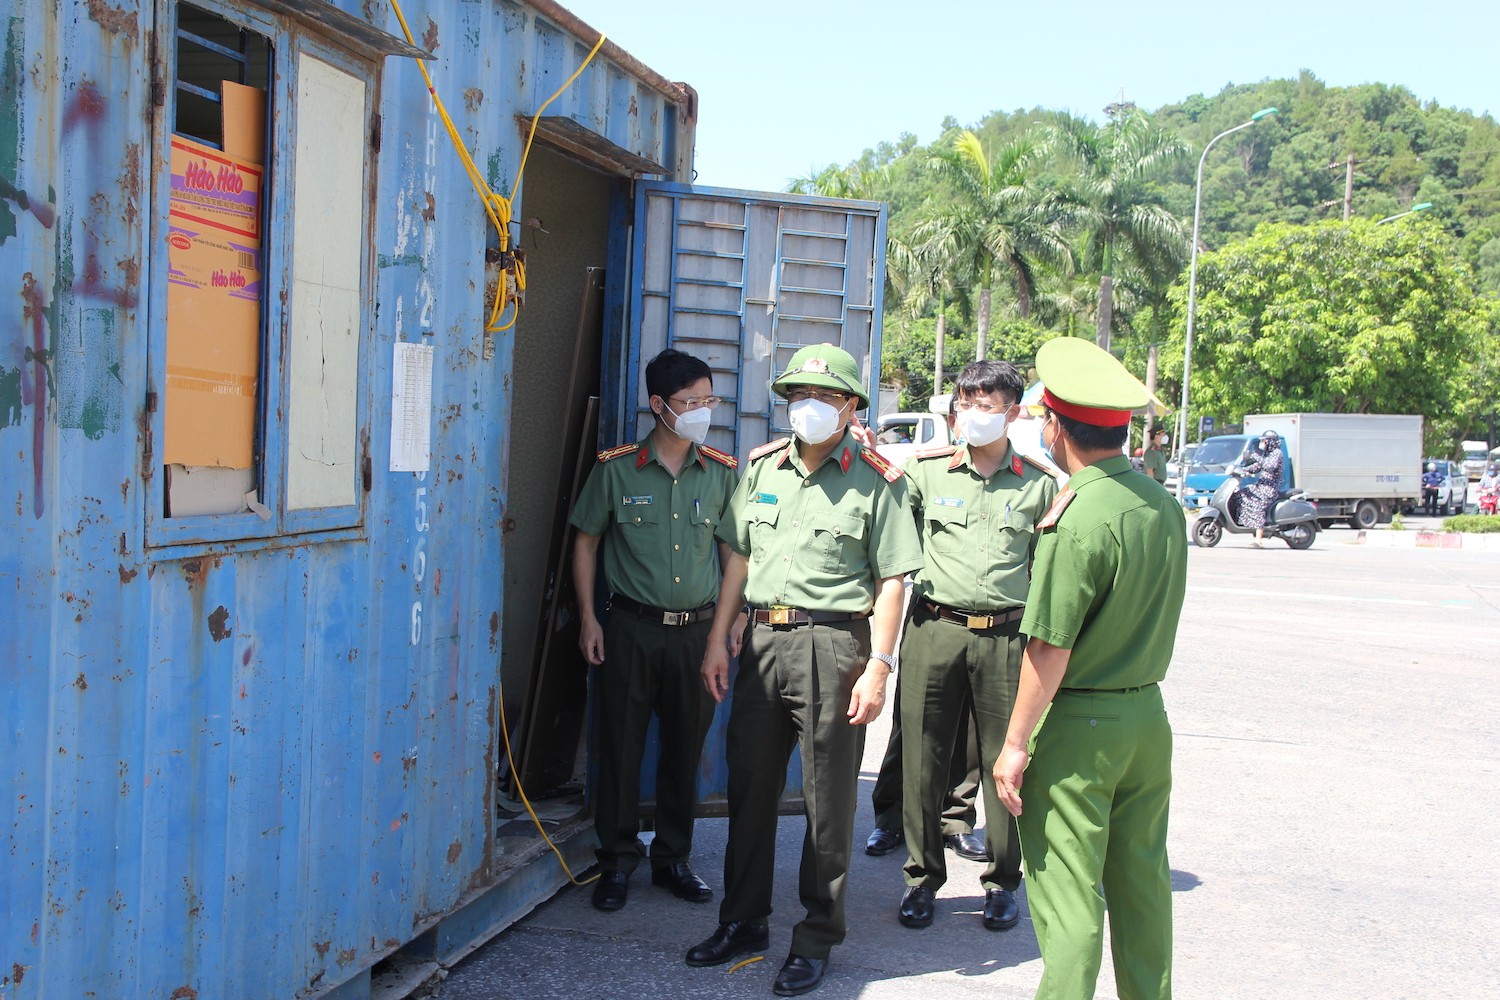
1082	374
824	366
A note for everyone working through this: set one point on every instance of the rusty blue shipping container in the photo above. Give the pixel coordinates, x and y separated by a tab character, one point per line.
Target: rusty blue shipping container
284	508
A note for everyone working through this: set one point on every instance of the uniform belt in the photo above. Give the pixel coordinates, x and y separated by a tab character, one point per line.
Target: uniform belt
792	617
660	616
1129	690
976	620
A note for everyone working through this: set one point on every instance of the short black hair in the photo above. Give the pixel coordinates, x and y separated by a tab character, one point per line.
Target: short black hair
1092	437
990	376
672	370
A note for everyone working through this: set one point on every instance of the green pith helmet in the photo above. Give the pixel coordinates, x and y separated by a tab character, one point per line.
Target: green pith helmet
1089	381
823	366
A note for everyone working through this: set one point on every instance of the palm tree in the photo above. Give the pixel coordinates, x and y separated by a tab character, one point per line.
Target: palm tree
999	220
1111	199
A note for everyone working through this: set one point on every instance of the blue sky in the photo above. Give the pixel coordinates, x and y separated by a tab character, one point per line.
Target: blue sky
788	86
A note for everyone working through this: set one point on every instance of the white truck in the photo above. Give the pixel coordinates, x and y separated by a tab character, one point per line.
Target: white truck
1476	458
1359	467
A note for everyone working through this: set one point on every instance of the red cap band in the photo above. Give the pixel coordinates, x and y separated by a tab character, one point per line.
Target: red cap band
1096	415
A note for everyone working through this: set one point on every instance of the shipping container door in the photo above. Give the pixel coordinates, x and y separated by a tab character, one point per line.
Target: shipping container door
742	280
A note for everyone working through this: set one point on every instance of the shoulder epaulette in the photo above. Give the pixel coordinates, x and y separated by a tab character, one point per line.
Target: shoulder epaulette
941	451
881	464
769	447
624	449
719	456
1054	512
1031	461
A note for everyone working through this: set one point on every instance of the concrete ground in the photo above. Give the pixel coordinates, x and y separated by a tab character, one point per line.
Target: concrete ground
1334	824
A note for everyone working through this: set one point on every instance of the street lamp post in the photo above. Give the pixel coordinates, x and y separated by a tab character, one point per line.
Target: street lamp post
1419	207
1187	349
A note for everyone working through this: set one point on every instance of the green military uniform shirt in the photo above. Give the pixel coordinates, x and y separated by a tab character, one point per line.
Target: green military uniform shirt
819	539
1154	464
1086	597
976	530
660	548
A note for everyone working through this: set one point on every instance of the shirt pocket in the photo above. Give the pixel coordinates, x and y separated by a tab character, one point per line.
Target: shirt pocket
837	543
1013	536
945	528
762	520
702	535
639	526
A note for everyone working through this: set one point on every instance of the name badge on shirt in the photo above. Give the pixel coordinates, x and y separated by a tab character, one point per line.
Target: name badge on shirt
635	501
947	501
764	498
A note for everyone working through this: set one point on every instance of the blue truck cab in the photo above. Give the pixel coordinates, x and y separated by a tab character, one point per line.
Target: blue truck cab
1212	462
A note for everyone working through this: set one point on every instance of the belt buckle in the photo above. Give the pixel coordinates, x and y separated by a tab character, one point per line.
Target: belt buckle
781	616
980	621
675	617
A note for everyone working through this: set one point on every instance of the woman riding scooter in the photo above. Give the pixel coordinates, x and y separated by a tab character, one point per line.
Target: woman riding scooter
1256	497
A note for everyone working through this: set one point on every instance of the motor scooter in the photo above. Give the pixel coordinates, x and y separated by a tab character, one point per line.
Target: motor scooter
1292	518
1488	495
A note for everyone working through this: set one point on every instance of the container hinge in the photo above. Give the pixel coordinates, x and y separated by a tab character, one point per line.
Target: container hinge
375	133
367	473
148	463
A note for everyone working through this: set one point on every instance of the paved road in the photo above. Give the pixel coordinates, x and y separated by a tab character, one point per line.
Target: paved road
1334	825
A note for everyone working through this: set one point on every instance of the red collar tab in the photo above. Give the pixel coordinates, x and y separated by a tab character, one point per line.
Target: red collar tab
846	456
1099	416
1015	463
642	457
960	455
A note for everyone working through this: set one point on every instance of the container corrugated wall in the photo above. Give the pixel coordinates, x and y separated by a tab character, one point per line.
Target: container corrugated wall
252	770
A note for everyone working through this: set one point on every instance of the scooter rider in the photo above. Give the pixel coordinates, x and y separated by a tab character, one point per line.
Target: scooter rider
1432	479
1256	497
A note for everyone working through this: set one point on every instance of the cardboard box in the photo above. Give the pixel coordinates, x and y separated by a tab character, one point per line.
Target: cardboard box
213	307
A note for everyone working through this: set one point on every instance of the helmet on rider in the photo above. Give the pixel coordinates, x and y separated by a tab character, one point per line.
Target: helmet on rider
1269	442
1431	466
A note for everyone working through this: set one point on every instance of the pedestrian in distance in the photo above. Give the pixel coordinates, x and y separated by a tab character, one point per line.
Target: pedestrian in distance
1154	460
1089	732
821	534
655	505
1432	481
976	505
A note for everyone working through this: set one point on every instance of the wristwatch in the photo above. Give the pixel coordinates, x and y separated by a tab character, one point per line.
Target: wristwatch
886	658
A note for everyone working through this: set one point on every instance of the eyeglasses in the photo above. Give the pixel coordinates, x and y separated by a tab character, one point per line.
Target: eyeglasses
963	406
797	393
694	402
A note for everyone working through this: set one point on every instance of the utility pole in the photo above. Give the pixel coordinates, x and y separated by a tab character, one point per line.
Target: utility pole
1150	403
1348	166
937	362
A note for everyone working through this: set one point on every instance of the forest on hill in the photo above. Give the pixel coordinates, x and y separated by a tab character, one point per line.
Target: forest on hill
1034	224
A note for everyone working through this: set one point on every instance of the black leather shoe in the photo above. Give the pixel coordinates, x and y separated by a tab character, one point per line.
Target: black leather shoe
969	846
609	891
799	975
728	941
1000	909
883	842
916	906
684	884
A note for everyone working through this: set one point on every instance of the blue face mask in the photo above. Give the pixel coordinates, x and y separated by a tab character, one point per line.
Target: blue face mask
1047	448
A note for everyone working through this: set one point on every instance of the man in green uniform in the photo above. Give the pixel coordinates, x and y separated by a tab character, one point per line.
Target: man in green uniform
1106	594
1154	461
657	504
976	506
822	534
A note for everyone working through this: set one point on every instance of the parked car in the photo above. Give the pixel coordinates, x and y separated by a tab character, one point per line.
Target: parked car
1453	494
1183	459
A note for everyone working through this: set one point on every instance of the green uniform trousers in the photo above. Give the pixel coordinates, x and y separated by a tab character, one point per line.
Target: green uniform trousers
649	669
793	688
948	673
1094	806
963	778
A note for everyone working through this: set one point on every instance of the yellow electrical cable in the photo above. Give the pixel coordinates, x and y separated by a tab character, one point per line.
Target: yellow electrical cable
740	965
497	207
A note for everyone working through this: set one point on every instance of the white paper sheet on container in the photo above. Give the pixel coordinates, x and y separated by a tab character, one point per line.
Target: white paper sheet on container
411	408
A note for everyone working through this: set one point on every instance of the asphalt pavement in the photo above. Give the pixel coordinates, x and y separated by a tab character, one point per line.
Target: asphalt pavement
1334	824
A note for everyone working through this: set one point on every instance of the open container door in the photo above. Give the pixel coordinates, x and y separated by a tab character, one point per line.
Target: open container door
742	280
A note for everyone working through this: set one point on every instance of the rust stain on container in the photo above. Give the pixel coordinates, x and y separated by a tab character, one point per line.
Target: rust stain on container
473	98
81	683
117	21
429	212
346	955
18	972
494	630
217	627
454	850
430	36
321	947
184	993
126	575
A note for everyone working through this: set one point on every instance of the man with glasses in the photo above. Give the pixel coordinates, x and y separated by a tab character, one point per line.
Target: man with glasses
977	504
1089	730
656	504
821	535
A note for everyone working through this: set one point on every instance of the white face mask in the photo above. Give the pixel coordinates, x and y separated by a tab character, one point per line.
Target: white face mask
812	420
979	428
693	424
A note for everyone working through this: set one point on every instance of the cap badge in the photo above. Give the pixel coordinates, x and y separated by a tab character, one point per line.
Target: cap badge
816	365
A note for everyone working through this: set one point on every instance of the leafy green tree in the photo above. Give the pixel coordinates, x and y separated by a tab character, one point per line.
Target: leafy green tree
1000	221
1113	199
1341	318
